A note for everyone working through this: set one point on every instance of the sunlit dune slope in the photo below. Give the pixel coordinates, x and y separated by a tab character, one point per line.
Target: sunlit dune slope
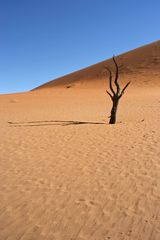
141	65
65	173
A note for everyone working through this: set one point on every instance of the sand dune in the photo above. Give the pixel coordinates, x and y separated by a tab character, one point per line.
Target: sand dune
134	64
67	174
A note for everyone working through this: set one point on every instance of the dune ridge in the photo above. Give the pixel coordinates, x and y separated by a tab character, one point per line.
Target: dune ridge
136	63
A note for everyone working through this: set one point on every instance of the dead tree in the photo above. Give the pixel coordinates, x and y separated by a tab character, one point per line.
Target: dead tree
116	95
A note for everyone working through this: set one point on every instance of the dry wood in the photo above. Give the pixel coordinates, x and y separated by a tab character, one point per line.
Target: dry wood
116	94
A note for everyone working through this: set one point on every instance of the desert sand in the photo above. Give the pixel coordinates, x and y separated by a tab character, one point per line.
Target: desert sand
66	174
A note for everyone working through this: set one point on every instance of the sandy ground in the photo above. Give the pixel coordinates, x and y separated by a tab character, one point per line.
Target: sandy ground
66	174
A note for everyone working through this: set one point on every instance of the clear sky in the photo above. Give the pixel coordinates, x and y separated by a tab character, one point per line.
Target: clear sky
44	39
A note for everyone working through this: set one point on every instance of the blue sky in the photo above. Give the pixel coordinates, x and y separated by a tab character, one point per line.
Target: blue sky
44	39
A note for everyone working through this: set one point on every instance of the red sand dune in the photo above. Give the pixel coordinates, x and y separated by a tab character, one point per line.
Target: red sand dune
143	63
65	173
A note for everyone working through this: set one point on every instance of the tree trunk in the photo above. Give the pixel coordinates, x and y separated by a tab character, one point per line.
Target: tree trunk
114	111
115	95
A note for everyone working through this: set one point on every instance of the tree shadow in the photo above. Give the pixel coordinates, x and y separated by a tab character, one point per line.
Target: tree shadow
50	123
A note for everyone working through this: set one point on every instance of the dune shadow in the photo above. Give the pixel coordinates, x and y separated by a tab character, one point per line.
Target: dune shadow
51	123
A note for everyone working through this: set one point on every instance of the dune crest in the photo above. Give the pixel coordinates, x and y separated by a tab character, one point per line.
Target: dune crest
140	64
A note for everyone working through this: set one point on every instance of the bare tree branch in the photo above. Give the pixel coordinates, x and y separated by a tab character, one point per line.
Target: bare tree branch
116	94
110	80
116	76
124	89
109	95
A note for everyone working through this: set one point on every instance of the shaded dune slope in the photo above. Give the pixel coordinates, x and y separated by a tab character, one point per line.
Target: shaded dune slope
141	65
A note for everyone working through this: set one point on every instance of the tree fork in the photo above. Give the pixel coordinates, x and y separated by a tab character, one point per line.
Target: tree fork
116	95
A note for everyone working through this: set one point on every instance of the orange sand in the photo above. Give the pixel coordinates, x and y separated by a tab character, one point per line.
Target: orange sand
66	174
